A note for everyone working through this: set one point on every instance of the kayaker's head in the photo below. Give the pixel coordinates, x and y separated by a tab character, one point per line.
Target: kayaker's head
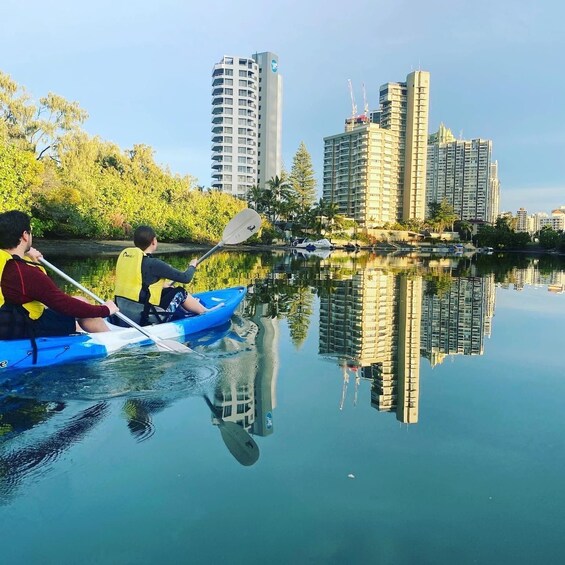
145	237
15	229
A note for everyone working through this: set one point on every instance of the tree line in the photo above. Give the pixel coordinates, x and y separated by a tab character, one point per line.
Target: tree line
78	185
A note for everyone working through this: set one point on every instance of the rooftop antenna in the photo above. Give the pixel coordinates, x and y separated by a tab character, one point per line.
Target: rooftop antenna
353	105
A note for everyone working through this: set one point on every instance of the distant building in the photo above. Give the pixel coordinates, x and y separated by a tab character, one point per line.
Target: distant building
556	220
463	173
536	221
375	171
522	220
246	122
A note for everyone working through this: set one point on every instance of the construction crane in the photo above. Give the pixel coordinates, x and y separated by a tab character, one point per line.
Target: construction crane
365	103
353	105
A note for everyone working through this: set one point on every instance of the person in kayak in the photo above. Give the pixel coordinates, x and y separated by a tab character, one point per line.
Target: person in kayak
31	305
144	280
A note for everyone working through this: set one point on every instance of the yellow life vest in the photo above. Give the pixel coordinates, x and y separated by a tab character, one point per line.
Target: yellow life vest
129	282
34	307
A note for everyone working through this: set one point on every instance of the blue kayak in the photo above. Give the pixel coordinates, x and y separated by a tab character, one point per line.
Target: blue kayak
18	354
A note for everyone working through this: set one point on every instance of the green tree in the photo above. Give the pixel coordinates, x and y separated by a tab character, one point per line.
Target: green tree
549	238
442	215
278	195
465	229
302	177
20	177
36	127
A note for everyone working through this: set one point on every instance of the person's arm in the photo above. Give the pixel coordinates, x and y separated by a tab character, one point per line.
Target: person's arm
36	285
156	269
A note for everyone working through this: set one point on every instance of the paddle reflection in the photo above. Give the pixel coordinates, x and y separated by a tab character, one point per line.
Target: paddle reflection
40	453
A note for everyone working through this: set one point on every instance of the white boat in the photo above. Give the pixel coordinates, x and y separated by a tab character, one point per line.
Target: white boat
310	245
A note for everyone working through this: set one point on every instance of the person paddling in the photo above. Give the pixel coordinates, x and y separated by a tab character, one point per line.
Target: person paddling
142	288
31	305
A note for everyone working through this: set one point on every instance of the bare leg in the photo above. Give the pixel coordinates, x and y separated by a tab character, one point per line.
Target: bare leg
91	325
192	305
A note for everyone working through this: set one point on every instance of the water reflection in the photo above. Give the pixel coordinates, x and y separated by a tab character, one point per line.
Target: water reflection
378	317
32	459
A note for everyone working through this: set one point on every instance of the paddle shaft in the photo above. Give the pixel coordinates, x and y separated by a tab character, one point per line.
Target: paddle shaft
123	317
209	252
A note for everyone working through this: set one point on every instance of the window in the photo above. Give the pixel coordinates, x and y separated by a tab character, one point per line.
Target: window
243	73
241	169
242	159
241	131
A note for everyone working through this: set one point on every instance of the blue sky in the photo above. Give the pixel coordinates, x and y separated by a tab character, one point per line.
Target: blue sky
142	70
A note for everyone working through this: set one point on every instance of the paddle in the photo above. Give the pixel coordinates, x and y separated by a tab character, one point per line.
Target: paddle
162	344
240	444
241	227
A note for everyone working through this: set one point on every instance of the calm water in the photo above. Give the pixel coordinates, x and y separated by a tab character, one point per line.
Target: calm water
405	410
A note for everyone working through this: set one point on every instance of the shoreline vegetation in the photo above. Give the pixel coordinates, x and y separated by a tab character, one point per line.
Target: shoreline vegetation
112	248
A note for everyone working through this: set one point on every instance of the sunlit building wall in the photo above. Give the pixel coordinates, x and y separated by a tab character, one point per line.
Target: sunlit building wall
246	122
461	173
376	172
522	220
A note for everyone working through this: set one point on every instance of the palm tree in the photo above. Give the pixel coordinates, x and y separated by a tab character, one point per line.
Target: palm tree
256	198
280	193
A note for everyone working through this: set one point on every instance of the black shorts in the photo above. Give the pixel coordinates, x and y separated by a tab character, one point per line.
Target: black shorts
172	297
53	323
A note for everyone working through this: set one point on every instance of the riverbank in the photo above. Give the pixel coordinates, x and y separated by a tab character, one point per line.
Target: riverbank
107	248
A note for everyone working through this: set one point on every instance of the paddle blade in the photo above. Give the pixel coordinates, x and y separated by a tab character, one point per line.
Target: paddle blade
241	227
241	445
172	346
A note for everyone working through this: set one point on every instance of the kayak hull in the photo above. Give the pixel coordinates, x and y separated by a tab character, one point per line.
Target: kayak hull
18	354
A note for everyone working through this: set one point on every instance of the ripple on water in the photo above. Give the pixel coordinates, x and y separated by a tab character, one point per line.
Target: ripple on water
139	371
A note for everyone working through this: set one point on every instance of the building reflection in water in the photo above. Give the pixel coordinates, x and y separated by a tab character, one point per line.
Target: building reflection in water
247	395
380	319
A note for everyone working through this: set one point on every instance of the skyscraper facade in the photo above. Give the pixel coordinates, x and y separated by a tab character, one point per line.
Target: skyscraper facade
246	122
375	171
463	173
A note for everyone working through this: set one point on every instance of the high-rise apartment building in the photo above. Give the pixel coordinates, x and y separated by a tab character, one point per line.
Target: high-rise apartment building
463	173
522	220
375	172
246	122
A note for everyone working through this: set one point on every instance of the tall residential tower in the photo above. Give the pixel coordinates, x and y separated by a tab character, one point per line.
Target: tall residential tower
463	173
375	172
246	122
